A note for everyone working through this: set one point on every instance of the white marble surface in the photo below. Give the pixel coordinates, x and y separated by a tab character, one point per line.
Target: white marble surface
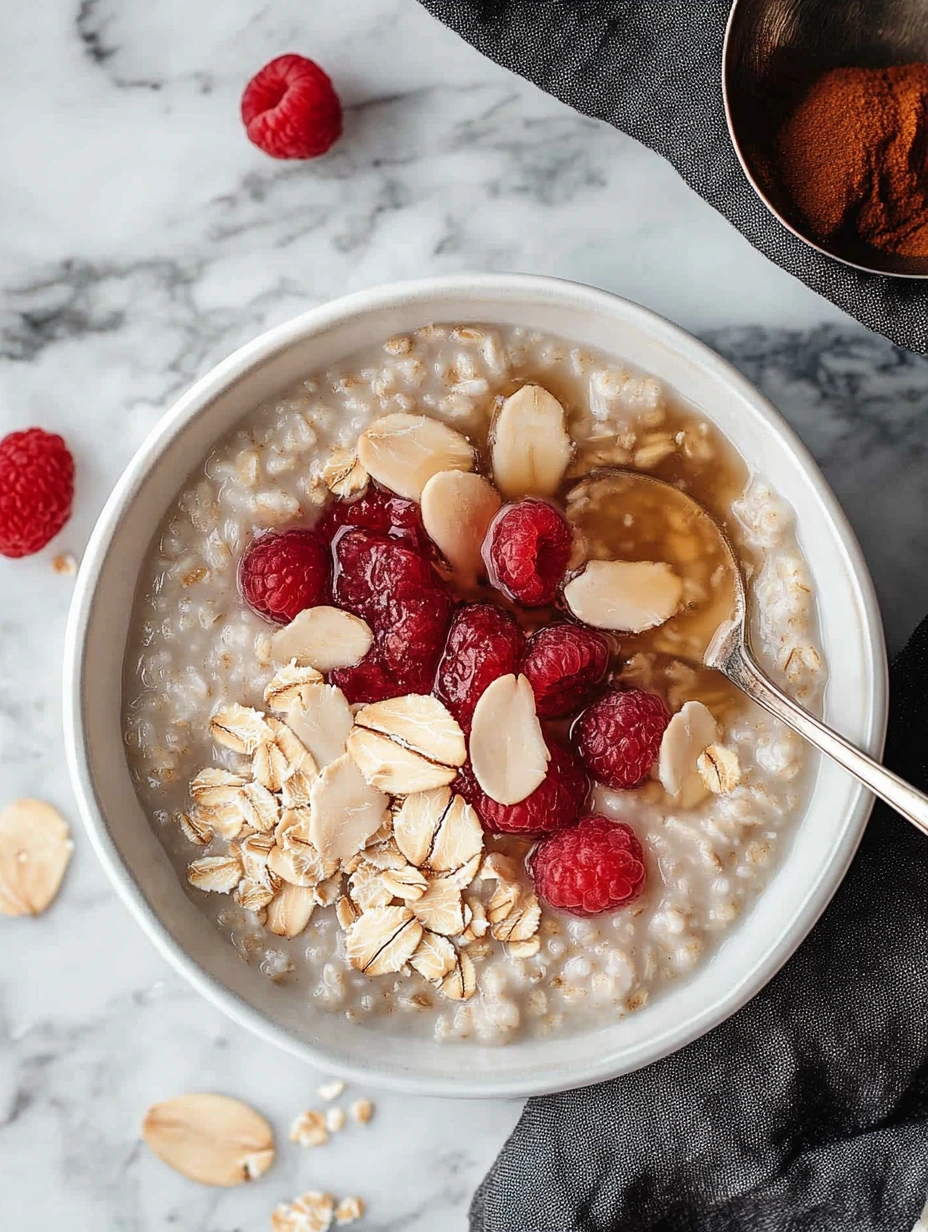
143	238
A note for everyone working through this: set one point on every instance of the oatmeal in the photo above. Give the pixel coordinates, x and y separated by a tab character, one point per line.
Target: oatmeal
413	694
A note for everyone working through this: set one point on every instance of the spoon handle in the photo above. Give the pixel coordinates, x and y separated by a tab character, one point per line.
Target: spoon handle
742	670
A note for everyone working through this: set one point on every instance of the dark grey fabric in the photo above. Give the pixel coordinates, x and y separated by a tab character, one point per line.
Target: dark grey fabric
805	1112
653	69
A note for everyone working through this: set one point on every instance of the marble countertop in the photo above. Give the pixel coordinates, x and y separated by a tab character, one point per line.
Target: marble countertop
142	239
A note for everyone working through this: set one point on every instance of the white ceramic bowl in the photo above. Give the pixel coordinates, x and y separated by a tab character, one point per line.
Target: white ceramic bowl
814	862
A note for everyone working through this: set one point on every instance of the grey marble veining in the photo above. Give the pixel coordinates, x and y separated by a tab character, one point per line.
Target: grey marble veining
143	239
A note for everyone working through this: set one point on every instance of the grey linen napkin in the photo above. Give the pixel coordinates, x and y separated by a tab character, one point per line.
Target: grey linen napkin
653	69
805	1112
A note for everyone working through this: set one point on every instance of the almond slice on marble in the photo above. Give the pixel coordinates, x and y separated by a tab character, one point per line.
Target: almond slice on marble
383	940
35	849
438	830
210	1138
216	874
344	475
345	809
457	509
507	747
434	958
290	910
460	984
239	728
287	686
322	719
310	1212
407	744
626	596
688	734
719	769
324	638
531	448
441	908
404	451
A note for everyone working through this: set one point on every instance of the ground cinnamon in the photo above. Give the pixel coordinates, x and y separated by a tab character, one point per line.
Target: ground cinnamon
854	157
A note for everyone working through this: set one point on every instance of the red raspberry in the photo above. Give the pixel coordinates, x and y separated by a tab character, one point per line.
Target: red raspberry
553	805
367	681
484	643
619	736
526	551
564	663
290	109
597	866
36	490
282	574
382	513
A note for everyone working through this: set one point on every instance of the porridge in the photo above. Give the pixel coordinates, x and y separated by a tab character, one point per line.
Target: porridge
413	695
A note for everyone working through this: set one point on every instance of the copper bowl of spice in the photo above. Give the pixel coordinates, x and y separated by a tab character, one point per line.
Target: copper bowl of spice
827	107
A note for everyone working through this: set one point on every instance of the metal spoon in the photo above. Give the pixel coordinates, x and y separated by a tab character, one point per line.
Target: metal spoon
729	652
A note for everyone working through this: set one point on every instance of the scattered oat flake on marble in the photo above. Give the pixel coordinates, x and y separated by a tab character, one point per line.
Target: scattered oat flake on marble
309	1129
312	1212
335	1120
286	686
349	1210
210	1138
35	849
330	1090
383	939
65	564
361	1111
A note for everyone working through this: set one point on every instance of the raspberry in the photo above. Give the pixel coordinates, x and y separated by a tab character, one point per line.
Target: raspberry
290	109
36	490
382	513
553	805
619	736
367	681
526	551
597	866
564	663
282	574
484	643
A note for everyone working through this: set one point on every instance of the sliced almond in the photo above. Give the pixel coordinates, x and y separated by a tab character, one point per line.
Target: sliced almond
531	448
217	874
287	686
403	452
457	509
210	1138
434	957
688	734
344	475
35	848
507	748
239	728
324	638
195	827
383	940
290	910
719	769
346	809
407	883
627	596
407	744
461	983
322	719
441	908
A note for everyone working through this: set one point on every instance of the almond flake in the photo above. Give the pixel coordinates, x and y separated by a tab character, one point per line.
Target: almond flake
210	1138
239	728
195	827
259	807
521	923
383	940
288	685
361	1111
335	1120
403	452
322	719
300	864
531	448
217	874
324	638
626	596
344	475
290	910
313	1212
440	909
308	1129
719	769
507	748
367	888
330	1090
346	913
461	983
346	810
524	949
688	734
349	1210
35	848
407	744
434	958
406	883
457	509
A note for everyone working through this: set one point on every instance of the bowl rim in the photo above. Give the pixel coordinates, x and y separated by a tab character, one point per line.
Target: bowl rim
490	288
762	196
